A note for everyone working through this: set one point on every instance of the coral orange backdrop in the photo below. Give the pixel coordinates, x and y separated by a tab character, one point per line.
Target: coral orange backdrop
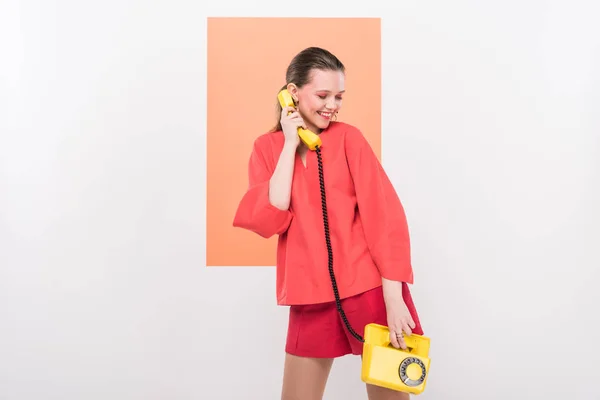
247	60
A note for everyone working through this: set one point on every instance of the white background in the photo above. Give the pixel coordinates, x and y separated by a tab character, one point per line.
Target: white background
490	134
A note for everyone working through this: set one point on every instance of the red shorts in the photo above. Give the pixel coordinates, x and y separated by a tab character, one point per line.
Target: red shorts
317	330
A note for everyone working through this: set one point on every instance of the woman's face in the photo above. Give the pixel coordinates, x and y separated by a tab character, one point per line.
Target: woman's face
320	99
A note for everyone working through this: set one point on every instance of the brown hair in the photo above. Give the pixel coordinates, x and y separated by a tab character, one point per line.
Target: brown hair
298	72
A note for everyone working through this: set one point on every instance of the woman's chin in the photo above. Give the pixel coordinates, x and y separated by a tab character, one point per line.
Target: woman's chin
323	124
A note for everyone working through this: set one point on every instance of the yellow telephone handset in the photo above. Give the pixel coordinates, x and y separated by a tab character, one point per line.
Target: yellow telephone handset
310	139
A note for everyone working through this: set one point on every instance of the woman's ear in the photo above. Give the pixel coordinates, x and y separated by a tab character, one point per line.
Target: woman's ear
293	89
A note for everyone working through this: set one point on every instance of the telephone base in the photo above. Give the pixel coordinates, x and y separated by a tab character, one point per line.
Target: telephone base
396	369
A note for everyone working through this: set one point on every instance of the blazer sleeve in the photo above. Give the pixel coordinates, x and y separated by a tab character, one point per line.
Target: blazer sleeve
380	209
255	212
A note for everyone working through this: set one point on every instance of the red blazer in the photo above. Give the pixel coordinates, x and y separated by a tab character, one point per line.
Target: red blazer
368	227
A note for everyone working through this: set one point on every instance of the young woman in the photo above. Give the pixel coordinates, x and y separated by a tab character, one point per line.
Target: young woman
369	240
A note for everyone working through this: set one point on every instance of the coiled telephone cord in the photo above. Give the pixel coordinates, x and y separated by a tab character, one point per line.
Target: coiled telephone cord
329	251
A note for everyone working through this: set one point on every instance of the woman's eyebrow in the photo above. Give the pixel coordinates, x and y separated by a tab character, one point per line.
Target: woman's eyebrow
329	91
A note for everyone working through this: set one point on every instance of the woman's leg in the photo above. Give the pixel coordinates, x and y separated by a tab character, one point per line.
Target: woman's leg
379	393
304	378
315	338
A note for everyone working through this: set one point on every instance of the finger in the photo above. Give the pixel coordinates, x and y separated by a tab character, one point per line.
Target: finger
286	110
406	328
297	119
394	339
400	338
411	323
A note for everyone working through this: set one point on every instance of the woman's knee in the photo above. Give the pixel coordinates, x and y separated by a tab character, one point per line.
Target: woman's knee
381	393
305	377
